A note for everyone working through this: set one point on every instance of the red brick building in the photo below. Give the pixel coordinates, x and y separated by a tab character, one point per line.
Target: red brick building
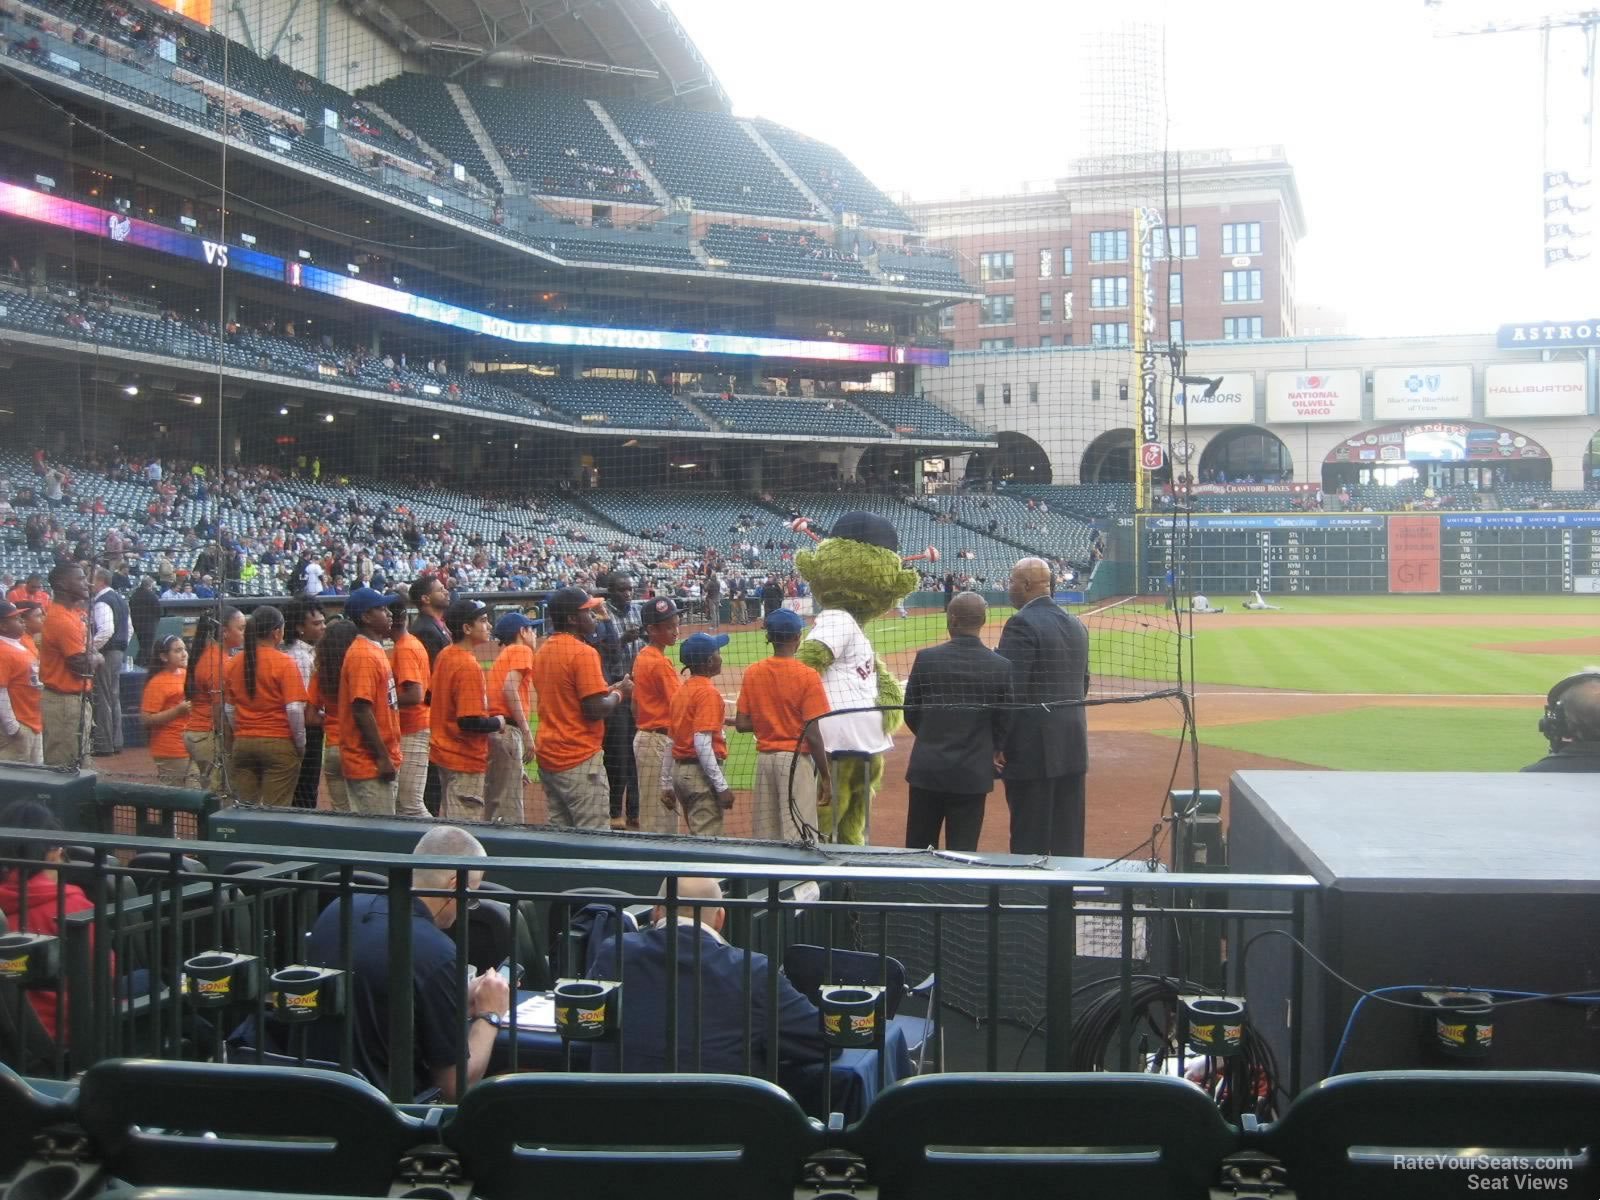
1056	264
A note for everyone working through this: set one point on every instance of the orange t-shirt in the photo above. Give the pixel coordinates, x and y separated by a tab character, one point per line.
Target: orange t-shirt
162	691
515	657
208	673
330	720
457	692
278	683
566	671
64	635
19	675
780	695
409	660
697	708
367	676
655	683
21	595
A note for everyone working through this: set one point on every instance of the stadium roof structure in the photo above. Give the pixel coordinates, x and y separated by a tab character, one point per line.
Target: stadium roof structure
637	40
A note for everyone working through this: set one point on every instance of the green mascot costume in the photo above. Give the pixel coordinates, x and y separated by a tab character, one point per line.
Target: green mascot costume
856	575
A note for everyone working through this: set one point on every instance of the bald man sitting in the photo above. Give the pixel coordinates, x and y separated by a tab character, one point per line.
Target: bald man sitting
1047	744
719	1015
958	704
1572	723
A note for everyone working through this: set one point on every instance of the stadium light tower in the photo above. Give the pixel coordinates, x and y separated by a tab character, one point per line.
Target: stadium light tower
1567	110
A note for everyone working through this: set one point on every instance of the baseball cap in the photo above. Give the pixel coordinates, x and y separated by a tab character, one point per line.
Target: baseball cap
784	622
463	612
8	609
867	527
564	602
657	611
699	648
513	623
365	599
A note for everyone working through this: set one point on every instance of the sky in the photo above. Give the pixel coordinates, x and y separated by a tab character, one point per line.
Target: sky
1417	156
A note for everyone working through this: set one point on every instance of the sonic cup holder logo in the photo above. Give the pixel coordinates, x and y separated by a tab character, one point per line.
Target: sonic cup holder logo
218	978
1463	1026
851	1015
587	1010
1215	1024
307	994
29	959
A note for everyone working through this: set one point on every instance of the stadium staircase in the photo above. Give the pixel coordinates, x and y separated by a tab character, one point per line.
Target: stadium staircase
502	173
688	401
400	130
788	172
626	147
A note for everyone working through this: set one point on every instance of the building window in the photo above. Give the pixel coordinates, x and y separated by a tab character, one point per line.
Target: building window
977	395
1046	264
997	266
1241	286
1175	332
997	310
1066	306
1240	329
1183	241
1113	334
1046	305
1108	245
1046	342
1005	393
947	317
997	343
1033	393
1066	260
1109	291
1243	238
1094	390
1175	288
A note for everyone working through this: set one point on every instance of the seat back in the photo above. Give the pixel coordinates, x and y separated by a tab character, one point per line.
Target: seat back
25	1113
306	1131
1353	1135
1087	1136
588	926
630	1135
808	969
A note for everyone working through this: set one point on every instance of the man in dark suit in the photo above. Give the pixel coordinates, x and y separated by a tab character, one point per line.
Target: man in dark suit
1047	746
720	1012
954	760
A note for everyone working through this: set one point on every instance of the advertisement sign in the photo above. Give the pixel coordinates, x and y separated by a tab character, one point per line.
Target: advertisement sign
1233	404
1585	332
1146	227
1299	397
1421	393
1557	389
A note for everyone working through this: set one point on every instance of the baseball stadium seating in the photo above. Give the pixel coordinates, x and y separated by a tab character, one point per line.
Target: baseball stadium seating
833	176
1084	499
422	104
912	415
780	252
789	415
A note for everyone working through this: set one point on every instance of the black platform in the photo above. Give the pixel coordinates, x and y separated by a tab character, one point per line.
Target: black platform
1460	880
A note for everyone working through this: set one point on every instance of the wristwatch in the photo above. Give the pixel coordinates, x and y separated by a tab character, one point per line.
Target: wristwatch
495	1019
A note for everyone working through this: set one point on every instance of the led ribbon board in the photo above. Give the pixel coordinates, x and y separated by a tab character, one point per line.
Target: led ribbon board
96	222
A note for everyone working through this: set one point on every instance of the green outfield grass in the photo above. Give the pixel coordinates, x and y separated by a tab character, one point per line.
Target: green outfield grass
1409	605
1391	739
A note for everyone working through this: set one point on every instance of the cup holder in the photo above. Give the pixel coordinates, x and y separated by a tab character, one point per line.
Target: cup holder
54	1181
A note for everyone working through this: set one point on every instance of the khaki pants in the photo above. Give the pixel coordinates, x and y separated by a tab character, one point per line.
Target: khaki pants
68	722
649	746
770	818
696	801
265	770
174	772
24	746
413	774
460	795
581	797
504	780
205	764
372	797
333	778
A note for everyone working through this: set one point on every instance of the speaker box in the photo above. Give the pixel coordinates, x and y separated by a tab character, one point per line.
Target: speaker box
1431	880
71	796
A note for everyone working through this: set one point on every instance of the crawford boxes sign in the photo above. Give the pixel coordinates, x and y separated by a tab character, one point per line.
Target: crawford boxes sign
1297	397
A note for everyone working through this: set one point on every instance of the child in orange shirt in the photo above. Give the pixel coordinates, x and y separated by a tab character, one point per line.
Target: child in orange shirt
164	709
655	683
692	773
779	701
510	697
266	701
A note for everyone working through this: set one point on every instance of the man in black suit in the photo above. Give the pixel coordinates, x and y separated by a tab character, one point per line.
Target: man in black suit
954	760
1047	746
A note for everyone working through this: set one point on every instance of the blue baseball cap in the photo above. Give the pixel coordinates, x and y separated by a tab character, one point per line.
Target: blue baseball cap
365	599
698	648
785	622
513	623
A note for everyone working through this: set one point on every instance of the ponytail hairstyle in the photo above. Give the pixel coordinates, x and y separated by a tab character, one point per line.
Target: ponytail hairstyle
329	661
207	629
258	628
295	612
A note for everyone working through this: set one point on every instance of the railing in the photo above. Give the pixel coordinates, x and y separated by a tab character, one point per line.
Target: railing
127	975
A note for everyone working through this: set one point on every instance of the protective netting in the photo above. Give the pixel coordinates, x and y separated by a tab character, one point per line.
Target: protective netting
304	298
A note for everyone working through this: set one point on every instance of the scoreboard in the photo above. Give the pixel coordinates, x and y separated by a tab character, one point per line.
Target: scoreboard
1227	555
1333	553
1536	552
